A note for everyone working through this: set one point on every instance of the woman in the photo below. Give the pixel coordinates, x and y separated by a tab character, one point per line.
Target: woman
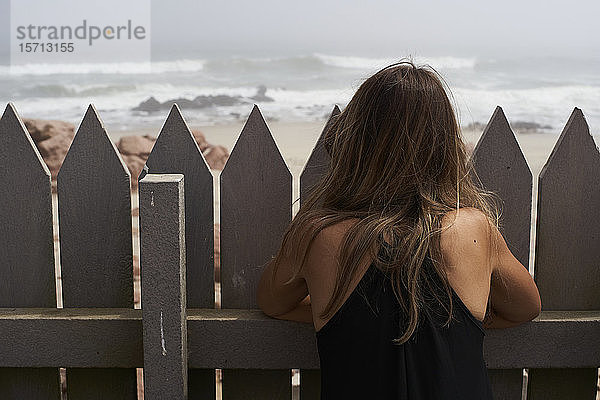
396	257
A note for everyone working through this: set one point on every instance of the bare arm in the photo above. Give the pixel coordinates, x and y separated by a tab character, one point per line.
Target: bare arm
302	313
515	298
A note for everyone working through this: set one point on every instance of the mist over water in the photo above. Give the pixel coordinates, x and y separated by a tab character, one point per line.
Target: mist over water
301	87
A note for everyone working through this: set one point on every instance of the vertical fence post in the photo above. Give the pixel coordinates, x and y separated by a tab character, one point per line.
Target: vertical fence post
177	152
162	265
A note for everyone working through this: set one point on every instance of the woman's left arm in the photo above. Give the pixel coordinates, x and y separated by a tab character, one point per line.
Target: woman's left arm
279	295
302	313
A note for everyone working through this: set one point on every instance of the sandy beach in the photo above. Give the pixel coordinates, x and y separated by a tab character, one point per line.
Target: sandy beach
296	140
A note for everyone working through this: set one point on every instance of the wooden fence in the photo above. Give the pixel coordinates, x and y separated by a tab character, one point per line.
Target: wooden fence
100	338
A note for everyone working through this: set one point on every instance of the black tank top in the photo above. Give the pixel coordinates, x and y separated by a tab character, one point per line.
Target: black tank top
359	361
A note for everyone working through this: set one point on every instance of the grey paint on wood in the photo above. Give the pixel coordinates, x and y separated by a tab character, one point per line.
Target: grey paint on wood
233	338
124	387
501	167
27	267
29	383
567	254
71	337
256	209
176	152
567	383
507	384
257	384
318	161
162	265
94	209
248	339
27	249
202	384
310	384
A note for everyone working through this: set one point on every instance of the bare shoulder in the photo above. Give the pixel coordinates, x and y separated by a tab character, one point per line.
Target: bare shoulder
464	229
326	244
464	242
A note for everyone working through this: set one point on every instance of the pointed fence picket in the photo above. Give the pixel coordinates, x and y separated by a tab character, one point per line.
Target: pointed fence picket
256	208
26	248
506	173
567	254
98	335
96	251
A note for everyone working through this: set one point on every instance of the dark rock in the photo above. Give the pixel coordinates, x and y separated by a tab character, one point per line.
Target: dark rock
260	94
149	105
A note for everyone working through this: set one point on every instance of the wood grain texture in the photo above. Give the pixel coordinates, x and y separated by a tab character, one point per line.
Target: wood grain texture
310	384
27	249
176	152
162	237
318	161
256	208
94	208
507	384
567	254
244	339
500	166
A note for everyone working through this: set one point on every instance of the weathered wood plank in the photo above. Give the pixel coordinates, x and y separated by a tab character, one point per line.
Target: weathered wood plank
29	383
71	337
27	266
256	208
564	383
310	384
257	384
162	261
241	339
94	208
507	384
507	174
567	254
177	152
318	161
567	229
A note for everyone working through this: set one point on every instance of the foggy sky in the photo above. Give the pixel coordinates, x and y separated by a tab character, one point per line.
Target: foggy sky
383	27
376	28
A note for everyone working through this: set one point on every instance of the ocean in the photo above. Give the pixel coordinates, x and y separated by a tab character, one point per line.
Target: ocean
219	90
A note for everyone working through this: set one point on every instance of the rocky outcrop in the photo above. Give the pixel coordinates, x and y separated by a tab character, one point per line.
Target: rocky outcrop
53	139
152	105
521	127
136	149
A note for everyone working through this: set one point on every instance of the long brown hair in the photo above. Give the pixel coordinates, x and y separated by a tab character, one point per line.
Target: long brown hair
398	164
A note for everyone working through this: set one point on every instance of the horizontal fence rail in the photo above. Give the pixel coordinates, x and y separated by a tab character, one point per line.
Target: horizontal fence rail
179	337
